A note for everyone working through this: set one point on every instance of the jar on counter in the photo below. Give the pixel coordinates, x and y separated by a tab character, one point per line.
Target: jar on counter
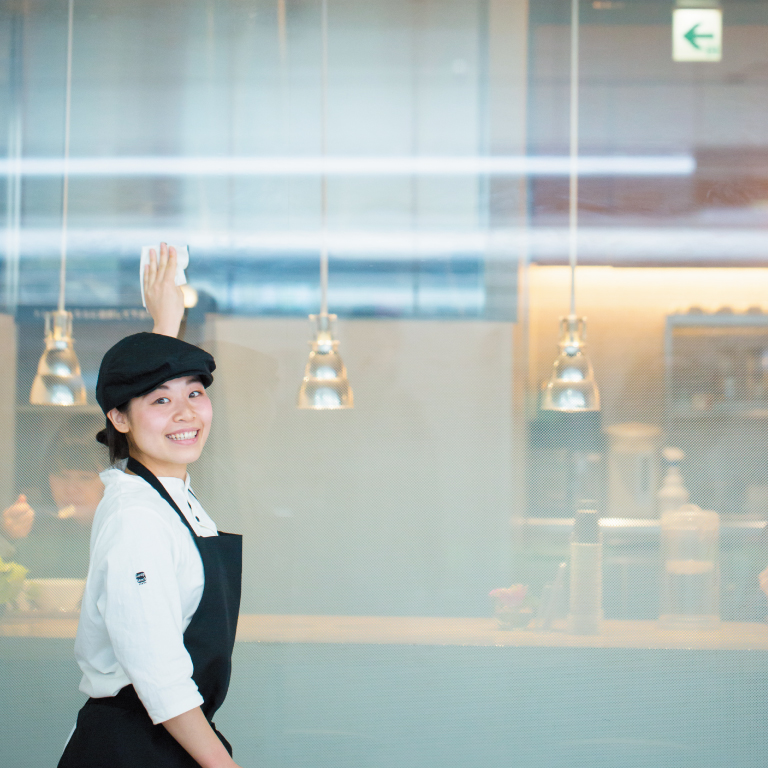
690	558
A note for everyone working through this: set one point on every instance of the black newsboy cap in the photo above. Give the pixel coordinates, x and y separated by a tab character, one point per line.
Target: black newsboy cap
142	362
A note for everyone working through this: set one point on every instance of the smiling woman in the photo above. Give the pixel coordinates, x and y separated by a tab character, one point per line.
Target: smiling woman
166	429
159	613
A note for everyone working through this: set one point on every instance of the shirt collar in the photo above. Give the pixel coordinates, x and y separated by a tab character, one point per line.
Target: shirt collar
176	483
166	481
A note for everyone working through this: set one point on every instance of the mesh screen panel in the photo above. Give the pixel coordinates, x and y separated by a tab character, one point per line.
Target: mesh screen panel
373	537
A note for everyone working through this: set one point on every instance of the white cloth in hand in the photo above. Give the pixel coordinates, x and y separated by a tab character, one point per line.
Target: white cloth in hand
182	262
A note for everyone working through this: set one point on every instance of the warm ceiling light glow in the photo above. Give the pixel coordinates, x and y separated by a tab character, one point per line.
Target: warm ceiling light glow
190	296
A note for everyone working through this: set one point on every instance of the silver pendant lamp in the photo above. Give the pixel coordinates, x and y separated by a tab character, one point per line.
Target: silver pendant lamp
59	380
571	387
325	386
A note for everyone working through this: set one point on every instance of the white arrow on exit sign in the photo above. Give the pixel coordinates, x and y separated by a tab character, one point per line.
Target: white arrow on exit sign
697	34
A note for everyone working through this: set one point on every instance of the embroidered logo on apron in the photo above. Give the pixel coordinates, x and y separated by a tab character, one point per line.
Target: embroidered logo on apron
141	577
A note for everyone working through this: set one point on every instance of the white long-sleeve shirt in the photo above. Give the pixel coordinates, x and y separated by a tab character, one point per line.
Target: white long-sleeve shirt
145	582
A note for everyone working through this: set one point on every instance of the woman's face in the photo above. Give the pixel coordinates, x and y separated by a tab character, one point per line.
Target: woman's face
168	427
81	489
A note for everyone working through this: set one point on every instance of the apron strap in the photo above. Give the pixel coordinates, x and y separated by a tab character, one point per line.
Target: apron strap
139	469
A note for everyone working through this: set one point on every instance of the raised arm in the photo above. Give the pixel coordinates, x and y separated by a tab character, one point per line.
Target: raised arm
165	300
16	521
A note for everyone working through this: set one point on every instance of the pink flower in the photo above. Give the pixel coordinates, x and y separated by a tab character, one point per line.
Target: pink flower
510	597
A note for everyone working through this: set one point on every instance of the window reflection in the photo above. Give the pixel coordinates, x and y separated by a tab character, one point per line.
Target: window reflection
199	123
49	523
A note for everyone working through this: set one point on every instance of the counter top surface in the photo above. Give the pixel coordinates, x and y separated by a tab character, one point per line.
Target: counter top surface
437	631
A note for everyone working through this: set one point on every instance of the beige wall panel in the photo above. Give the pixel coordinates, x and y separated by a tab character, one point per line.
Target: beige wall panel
400	505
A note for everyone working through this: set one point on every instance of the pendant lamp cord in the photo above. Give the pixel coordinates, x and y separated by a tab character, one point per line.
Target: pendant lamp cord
282	31
573	218
65	189
323	152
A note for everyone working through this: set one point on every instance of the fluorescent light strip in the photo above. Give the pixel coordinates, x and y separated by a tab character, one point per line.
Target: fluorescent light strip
652	165
610	245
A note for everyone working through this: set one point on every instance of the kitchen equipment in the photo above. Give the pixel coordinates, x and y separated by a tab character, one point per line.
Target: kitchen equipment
55	595
690	581
585	614
673	493
633	469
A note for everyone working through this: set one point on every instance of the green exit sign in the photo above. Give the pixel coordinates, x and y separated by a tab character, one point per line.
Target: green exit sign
697	34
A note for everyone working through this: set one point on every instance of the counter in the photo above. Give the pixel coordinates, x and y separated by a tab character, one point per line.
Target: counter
428	692
438	631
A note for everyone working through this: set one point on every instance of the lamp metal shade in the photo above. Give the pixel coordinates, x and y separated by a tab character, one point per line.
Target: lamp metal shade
325	385
58	380
571	387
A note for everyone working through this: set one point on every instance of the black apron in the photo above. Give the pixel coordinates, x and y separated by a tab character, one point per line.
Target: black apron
117	732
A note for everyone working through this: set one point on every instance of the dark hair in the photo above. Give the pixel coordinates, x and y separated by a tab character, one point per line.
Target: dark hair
72	447
117	442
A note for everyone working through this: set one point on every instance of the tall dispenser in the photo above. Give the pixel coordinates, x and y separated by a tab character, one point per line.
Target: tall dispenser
690	549
585	616
673	494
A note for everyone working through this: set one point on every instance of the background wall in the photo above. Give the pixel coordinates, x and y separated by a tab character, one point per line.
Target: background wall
400	506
